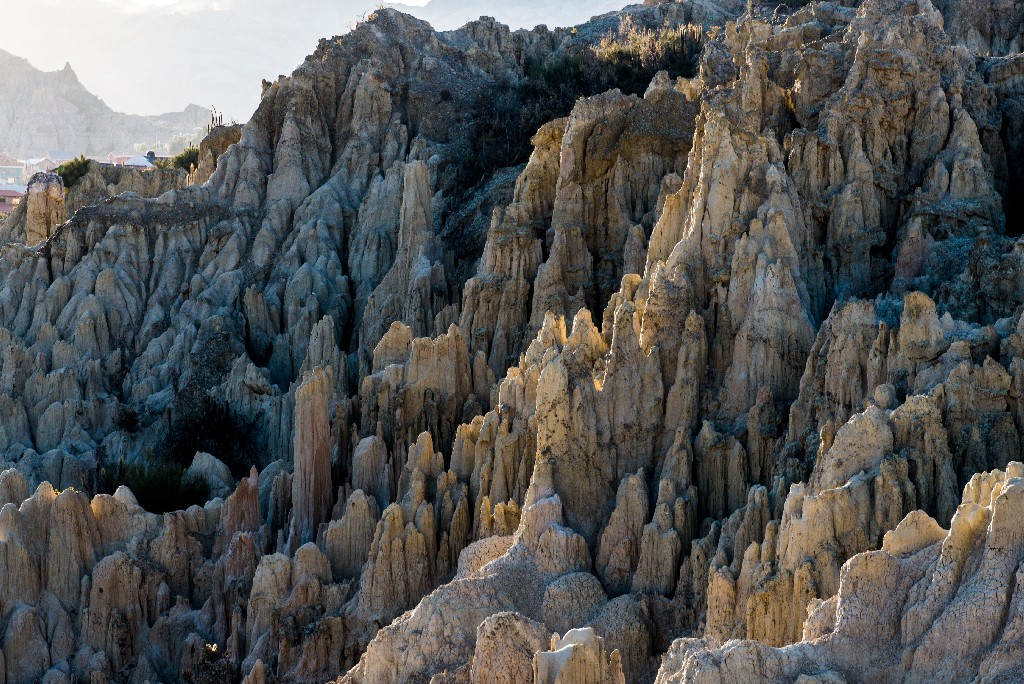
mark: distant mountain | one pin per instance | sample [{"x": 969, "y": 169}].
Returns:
[
  {"x": 44, "y": 111},
  {"x": 212, "y": 52},
  {"x": 451, "y": 14},
  {"x": 216, "y": 52}
]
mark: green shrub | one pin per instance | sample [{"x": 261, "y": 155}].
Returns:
[
  {"x": 160, "y": 488},
  {"x": 71, "y": 172},
  {"x": 187, "y": 160}
]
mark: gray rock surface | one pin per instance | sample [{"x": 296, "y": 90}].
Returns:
[{"x": 700, "y": 399}]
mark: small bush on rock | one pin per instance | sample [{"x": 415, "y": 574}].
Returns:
[
  {"x": 71, "y": 172},
  {"x": 187, "y": 160}
]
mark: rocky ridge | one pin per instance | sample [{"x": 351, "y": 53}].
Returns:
[{"x": 715, "y": 364}]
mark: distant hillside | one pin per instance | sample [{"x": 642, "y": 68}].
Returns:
[
  {"x": 218, "y": 51},
  {"x": 450, "y": 14},
  {"x": 223, "y": 49},
  {"x": 48, "y": 111}
]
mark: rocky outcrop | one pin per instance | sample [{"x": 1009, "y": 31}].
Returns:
[
  {"x": 418, "y": 384},
  {"x": 505, "y": 646},
  {"x": 414, "y": 290},
  {"x": 45, "y": 207},
  {"x": 311, "y": 490},
  {"x": 987, "y": 28},
  {"x": 902, "y": 604},
  {"x": 880, "y": 465},
  {"x": 577, "y": 656},
  {"x": 211, "y": 148},
  {"x": 103, "y": 182},
  {"x": 658, "y": 391}
]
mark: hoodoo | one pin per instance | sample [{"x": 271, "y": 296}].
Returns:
[{"x": 685, "y": 345}]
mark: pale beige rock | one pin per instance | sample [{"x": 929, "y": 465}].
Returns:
[
  {"x": 311, "y": 482},
  {"x": 811, "y": 230},
  {"x": 859, "y": 445},
  {"x": 903, "y": 602},
  {"x": 660, "y": 547},
  {"x": 14, "y": 487},
  {"x": 496, "y": 301},
  {"x": 579, "y": 656},
  {"x": 347, "y": 541},
  {"x": 618, "y": 550},
  {"x": 372, "y": 469},
  {"x": 985, "y": 28},
  {"x": 241, "y": 511},
  {"x": 399, "y": 570},
  {"x": 416, "y": 385},
  {"x": 115, "y": 620},
  {"x": 774, "y": 332},
  {"x": 211, "y": 148},
  {"x": 844, "y": 366},
  {"x": 571, "y": 601},
  {"x": 409, "y": 291},
  {"x": 45, "y": 207},
  {"x": 505, "y": 644},
  {"x": 25, "y": 636}
]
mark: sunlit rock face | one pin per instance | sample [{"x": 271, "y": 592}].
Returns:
[{"x": 723, "y": 382}]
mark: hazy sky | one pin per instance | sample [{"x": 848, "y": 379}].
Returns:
[{"x": 154, "y": 56}]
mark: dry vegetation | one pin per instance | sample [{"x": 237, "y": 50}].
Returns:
[{"x": 626, "y": 59}]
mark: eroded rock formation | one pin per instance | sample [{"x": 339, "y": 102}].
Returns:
[{"x": 704, "y": 378}]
